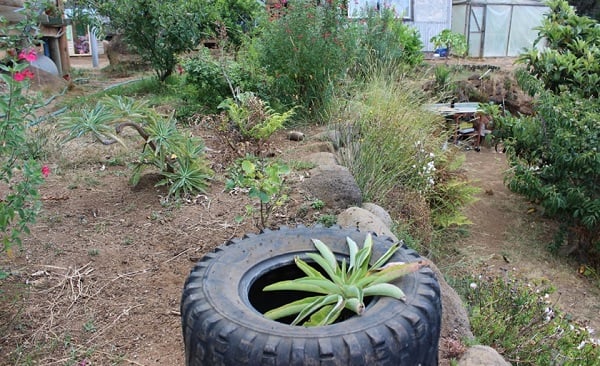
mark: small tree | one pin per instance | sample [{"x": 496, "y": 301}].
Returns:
[{"x": 156, "y": 30}]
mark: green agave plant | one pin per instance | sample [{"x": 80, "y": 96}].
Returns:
[{"x": 348, "y": 283}]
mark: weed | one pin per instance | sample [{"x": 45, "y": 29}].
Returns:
[
  {"x": 317, "y": 204},
  {"x": 517, "y": 317},
  {"x": 89, "y": 326},
  {"x": 93, "y": 252},
  {"x": 327, "y": 220}
]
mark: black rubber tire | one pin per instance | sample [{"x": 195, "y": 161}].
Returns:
[{"x": 222, "y": 327}]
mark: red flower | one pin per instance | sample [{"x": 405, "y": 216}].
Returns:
[
  {"x": 45, "y": 171},
  {"x": 179, "y": 69},
  {"x": 22, "y": 75},
  {"x": 28, "y": 54}
]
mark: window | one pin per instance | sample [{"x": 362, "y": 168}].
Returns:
[{"x": 360, "y": 8}]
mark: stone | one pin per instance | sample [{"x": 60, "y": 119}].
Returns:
[
  {"x": 356, "y": 217},
  {"x": 380, "y": 212},
  {"x": 321, "y": 158},
  {"x": 482, "y": 356},
  {"x": 334, "y": 185},
  {"x": 455, "y": 320},
  {"x": 295, "y": 136}
]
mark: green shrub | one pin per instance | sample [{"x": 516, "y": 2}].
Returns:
[
  {"x": 456, "y": 43},
  {"x": 302, "y": 55},
  {"x": 571, "y": 59},
  {"x": 555, "y": 162},
  {"x": 157, "y": 30},
  {"x": 206, "y": 75},
  {"x": 386, "y": 40},
  {"x": 20, "y": 172},
  {"x": 517, "y": 318}
]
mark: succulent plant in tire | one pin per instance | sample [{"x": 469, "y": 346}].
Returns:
[{"x": 347, "y": 286}]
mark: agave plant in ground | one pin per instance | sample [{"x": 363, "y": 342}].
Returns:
[{"x": 347, "y": 286}]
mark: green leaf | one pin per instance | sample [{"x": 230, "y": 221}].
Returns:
[
  {"x": 384, "y": 289},
  {"x": 307, "y": 269},
  {"x": 353, "y": 249},
  {"x": 296, "y": 285},
  {"x": 386, "y": 256},
  {"x": 391, "y": 272},
  {"x": 325, "y": 265},
  {"x": 314, "y": 306},
  {"x": 291, "y": 308},
  {"x": 327, "y": 254},
  {"x": 328, "y": 314}
]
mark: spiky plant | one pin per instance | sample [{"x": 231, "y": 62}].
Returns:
[{"x": 344, "y": 286}]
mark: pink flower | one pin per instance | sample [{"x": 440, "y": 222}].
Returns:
[
  {"x": 28, "y": 54},
  {"x": 45, "y": 171},
  {"x": 22, "y": 75}
]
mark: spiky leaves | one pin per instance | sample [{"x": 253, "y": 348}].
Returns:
[{"x": 340, "y": 286}]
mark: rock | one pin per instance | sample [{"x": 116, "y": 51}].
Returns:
[
  {"x": 455, "y": 320},
  {"x": 334, "y": 185},
  {"x": 320, "y": 146},
  {"x": 380, "y": 212},
  {"x": 364, "y": 220},
  {"x": 482, "y": 356},
  {"x": 321, "y": 158},
  {"x": 295, "y": 136}
]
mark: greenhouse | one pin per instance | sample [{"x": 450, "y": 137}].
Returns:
[{"x": 497, "y": 28}]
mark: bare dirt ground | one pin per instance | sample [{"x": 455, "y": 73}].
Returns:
[
  {"x": 99, "y": 279},
  {"x": 510, "y": 234}
]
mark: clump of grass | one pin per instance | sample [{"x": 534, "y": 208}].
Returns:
[
  {"x": 397, "y": 152},
  {"x": 517, "y": 318}
]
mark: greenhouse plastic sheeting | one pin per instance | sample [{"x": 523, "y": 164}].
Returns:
[{"x": 499, "y": 27}]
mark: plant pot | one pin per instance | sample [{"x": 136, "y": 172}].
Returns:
[{"x": 223, "y": 302}]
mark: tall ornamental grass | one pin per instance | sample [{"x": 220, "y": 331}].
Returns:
[{"x": 399, "y": 154}]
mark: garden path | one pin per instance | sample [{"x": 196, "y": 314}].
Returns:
[{"x": 510, "y": 234}]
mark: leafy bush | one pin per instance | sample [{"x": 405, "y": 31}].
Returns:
[
  {"x": 207, "y": 77},
  {"x": 571, "y": 59},
  {"x": 179, "y": 157},
  {"x": 157, "y": 30},
  {"x": 303, "y": 54},
  {"x": 456, "y": 43},
  {"x": 554, "y": 154},
  {"x": 20, "y": 173},
  {"x": 517, "y": 318},
  {"x": 556, "y": 162},
  {"x": 386, "y": 40}
]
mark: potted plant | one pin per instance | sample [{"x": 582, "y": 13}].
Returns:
[
  {"x": 51, "y": 14},
  {"x": 448, "y": 42},
  {"x": 228, "y": 319}
]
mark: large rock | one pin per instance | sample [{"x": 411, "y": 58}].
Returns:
[
  {"x": 364, "y": 220},
  {"x": 482, "y": 356},
  {"x": 321, "y": 158},
  {"x": 455, "y": 320},
  {"x": 334, "y": 185},
  {"x": 380, "y": 212}
]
